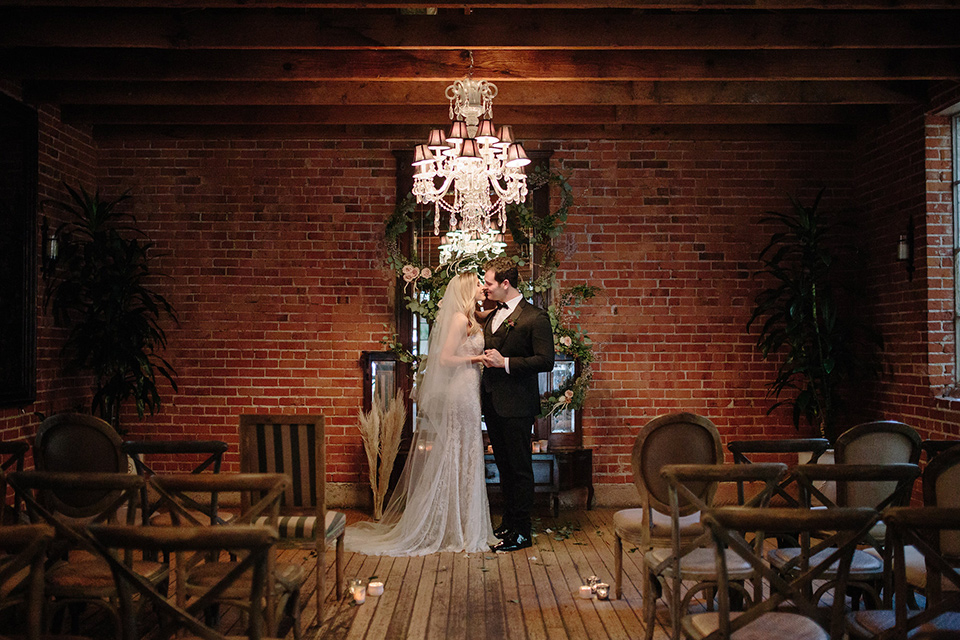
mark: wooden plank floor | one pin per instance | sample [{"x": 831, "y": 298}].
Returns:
[{"x": 530, "y": 594}]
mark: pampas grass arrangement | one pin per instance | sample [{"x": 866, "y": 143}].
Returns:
[{"x": 380, "y": 429}]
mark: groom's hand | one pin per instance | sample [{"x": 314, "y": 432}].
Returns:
[{"x": 492, "y": 358}]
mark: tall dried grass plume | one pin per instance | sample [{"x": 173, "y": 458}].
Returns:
[{"x": 381, "y": 429}]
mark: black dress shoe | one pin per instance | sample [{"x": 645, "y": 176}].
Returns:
[
  {"x": 501, "y": 532},
  {"x": 513, "y": 542}
]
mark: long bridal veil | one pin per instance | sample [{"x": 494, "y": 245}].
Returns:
[{"x": 429, "y": 510}]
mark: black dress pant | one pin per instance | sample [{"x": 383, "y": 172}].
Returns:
[{"x": 510, "y": 438}]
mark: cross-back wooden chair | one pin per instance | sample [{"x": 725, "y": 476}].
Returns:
[
  {"x": 12, "y": 455},
  {"x": 69, "y": 502},
  {"x": 294, "y": 445},
  {"x": 933, "y": 448},
  {"x": 896, "y": 481},
  {"x": 792, "y": 608},
  {"x": 259, "y": 495},
  {"x": 204, "y": 454},
  {"x": 21, "y": 573},
  {"x": 252, "y": 543},
  {"x": 677, "y": 438},
  {"x": 924, "y": 529},
  {"x": 693, "y": 560},
  {"x": 745, "y": 451}
]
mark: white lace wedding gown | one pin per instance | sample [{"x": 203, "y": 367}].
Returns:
[{"x": 440, "y": 503}]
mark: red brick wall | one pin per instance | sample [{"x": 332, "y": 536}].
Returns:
[
  {"x": 65, "y": 154},
  {"x": 903, "y": 171},
  {"x": 274, "y": 253},
  {"x": 668, "y": 229},
  {"x": 273, "y": 248}
]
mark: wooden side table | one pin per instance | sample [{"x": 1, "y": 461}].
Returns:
[{"x": 552, "y": 473}]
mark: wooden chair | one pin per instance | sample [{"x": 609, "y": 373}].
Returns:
[
  {"x": 259, "y": 494},
  {"x": 294, "y": 445},
  {"x": 693, "y": 560},
  {"x": 867, "y": 572},
  {"x": 924, "y": 529},
  {"x": 21, "y": 573},
  {"x": 208, "y": 454},
  {"x": 69, "y": 502},
  {"x": 870, "y": 443},
  {"x": 61, "y": 436},
  {"x": 742, "y": 451},
  {"x": 933, "y": 448},
  {"x": 941, "y": 488},
  {"x": 678, "y": 438},
  {"x": 12, "y": 454},
  {"x": 253, "y": 543},
  {"x": 791, "y": 610}
]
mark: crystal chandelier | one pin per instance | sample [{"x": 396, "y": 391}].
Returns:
[{"x": 472, "y": 172}]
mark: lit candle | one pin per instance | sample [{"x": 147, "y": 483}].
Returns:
[
  {"x": 375, "y": 588},
  {"x": 536, "y": 447},
  {"x": 586, "y": 592},
  {"x": 360, "y": 594},
  {"x": 358, "y": 589}
]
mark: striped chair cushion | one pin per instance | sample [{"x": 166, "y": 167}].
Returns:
[{"x": 303, "y": 526}]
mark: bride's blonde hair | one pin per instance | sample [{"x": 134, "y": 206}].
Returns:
[{"x": 465, "y": 292}]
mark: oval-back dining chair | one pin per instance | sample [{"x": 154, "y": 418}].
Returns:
[
  {"x": 677, "y": 438},
  {"x": 78, "y": 443}
]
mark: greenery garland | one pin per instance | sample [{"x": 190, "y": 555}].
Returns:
[{"x": 425, "y": 284}]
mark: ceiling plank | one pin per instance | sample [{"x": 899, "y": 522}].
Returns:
[
  {"x": 510, "y": 93},
  {"x": 363, "y": 115},
  {"x": 244, "y": 29},
  {"x": 498, "y": 66}
]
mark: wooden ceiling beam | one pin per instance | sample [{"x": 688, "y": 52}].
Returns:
[
  {"x": 468, "y": 6},
  {"x": 537, "y": 136},
  {"x": 498, "y": 66},
  {"x": 244, "y": 29},
  {"x": 517, "y": 116},
  {"x": 511, "y": 93}
]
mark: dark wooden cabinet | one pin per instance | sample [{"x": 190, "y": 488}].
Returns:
[{"x": 552, "y": 473}]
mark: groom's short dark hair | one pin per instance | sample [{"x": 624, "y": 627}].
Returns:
[{"x": 504, "y": 268}]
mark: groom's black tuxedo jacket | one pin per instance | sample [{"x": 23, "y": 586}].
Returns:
[{"x": 525, "y": 337}]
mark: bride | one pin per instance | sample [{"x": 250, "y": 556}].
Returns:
[{"x": 440, "y": 502}]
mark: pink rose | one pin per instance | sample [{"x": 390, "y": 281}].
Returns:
[
  {"x": 568, "y": 394},
  {"x": 566, "y": 341},
  {"x": 410, "y": 270},
  {"x": 409, "y": 277},
  {"x": 425, "y": 273}
]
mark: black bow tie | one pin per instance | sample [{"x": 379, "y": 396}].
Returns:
[{"x": 501, "y": 305}]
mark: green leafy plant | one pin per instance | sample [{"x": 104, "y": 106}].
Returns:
[
  {"x": 99, "y": 290},
  {"x": 823, "y": 346}
]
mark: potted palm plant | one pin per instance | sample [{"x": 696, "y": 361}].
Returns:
[
  {"x": 99, "y": 290},
  {"x": 809, "y": 318}
]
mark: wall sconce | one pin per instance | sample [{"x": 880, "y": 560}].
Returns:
[
  {"x": 51, "y": 247},
  {"x": 905, "y": 249}
]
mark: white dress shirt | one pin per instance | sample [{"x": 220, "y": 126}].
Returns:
[{"x": 499, "y": 316}]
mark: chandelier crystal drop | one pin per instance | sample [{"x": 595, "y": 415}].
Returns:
[{"x": 472, "y": 172}]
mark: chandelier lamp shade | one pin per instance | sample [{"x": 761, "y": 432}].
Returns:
[{"x": 473, "y": 171}]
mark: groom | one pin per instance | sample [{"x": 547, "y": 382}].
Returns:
[{"x": 518, "y": 345}]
